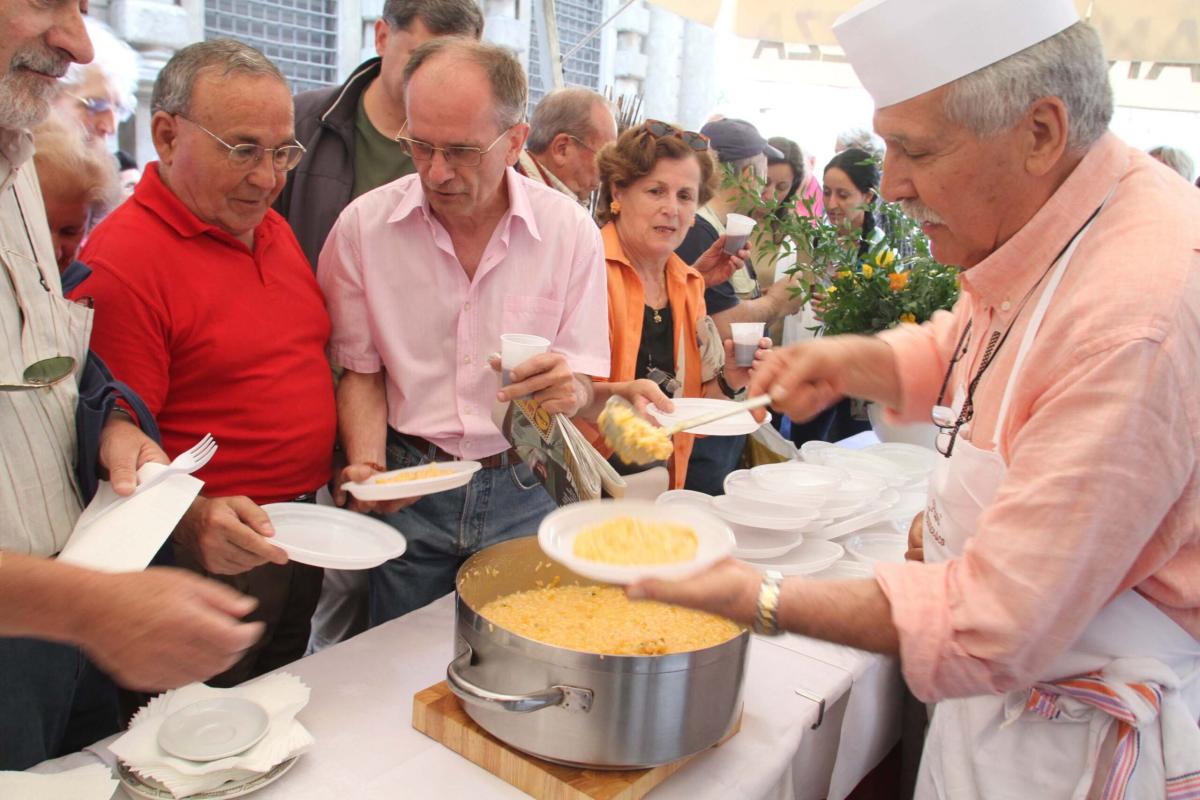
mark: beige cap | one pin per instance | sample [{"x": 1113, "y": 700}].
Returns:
[{"x": 903, "y": 48}]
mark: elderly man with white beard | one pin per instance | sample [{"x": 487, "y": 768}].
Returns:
[
  {"x": 1055, "y": 614},
  {"x": 151, "y": 630}
]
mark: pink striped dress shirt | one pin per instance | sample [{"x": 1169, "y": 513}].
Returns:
[
  {"x": 401, "y": 302},
  {"x": 1102, "y": 492}
]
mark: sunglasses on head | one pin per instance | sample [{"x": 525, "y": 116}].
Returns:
[{"x": 660, "y": 130}]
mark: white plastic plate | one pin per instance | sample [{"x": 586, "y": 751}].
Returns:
[
  {"x": 690, "y": 407},
  {"x": 740, "y": 484},
  {"x": 753, "y": 544},
  {"x": 373, "y": 489},
  {"x": 871, "y": 548},
  {"x": 798, "y": 477},
  {"x": 685, "y": 497},
  {"x": 558, "y": 530},
  {"x": 845, "y": 569},
  {"x": 324, "y": 536},
  {"x": 770, "y": 516},
  {"x": 150, "y": 789},
  {"x": 215, "y": 728},
  {"x": 813, "y": 555}
]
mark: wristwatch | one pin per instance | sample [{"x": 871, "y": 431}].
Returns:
[
  {"x": 766, "y": 614},
  {"x": 728, "y": 390}
]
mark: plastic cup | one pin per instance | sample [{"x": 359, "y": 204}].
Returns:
[
  {"x": 516, "y": 349},
  {"x": 745, "y": 341},
  {"x": 737, "y": 231}
]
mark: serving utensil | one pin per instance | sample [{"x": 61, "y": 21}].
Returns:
[{"x": 637, "y": 441}]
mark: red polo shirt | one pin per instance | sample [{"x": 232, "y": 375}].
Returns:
[{"x": 217, "y": 338}]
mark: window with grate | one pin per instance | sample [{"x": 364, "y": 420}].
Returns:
[
  {"x": 575, "y": 19},
  {"x": 300, "y": 36}
]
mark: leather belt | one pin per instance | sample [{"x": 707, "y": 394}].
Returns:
[{"x": 435, "y": 453}]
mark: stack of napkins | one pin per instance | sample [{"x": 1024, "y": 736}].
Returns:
[
  {"x": 122, "y": 534},
  {"x": 282, "y": 695},
  {"x": 93, "y": 782}
]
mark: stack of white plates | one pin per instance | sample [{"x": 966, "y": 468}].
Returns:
[{"x": 810, "y": 557}]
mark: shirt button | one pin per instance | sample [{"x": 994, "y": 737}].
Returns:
[
  {"x": 466, "y": 359},
  {"x": 470, "y": 409},
  {"x": 1005, "y": 306},
  {"x": 466, "y": 306}
]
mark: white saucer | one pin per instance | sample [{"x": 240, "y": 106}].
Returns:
[
  {"x": 149, "y": 789},
  {"x": 324, "y": 536},
  {"x": 690, "y": 407},
  {"x": 374, "y": 488},
  {"x": 208, "y": 730}
]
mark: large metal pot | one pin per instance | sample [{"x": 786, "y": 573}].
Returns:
[{"x": 585, "y": 709}]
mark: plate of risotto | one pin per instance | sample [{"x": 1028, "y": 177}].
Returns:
[
  {"x": 625, "y": 541},
  {"x": 396, "y": 484}
]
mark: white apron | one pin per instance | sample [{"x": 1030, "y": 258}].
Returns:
[{"x": 1047, "y": 741}]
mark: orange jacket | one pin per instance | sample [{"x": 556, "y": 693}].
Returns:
[{"x": 626, "y": 301}]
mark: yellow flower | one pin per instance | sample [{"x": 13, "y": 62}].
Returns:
[
  {"x": 907, "y": 318},
  {"x": 898, "y": 280},
  {"x": 831, "y": 290},
  {"x": 867, "y": 270},
  {"x": 885, "y": 258},
  {"x": 844, "y": 273}
]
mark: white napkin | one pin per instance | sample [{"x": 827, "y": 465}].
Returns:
[
  {"x": 93, "y": 782},
  {"x": 125, "y": 539},
  {"x": 281, "y": 694}
]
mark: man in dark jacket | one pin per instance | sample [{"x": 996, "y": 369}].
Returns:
[{"x": 350, "y": 130}]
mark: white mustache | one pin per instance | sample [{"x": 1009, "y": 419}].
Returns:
[
  {"x": 919, "y": 212},
  {"x": 42, "y": 61}
]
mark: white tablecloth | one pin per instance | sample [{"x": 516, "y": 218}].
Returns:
[{"x": 361, "y": 711}]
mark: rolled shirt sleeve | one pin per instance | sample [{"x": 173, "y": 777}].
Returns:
[{"x": 339, "y": 273}]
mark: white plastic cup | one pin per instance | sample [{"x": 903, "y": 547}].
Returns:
[
  {"x": 737, "y": 231},
  {"x": 745, "y": 341},
  {"x": 516, "y": 349}
]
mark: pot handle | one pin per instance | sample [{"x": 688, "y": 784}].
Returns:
[{"x": 569, "y": 698}]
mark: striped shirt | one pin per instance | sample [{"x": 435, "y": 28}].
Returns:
[{"x": 39, "y": 500}]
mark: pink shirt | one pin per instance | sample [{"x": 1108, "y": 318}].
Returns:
[
  {"x": 400, "y": 301},
  {"x": 1102, "y": 491}
]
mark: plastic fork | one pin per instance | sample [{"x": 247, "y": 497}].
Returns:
[{"x": 185, "y": 463}]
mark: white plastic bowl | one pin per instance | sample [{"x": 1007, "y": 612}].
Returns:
[
  {"x": 810, "y": 557},
  {"x": 844, "y": 569},
  {"x": 872, "y": 548},
  {"x": 556, "y": 536}
]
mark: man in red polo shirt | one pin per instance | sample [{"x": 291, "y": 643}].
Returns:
[{"x": 206, "y": 305}]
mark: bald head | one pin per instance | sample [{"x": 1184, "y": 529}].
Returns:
[{"x": 484, "y": 66}]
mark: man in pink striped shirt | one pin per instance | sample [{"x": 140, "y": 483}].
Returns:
[
  {"x": 422, "y": 276},
  {"x": 1059, "y": 597}
]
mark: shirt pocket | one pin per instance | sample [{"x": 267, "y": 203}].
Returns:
[{"x": 539, "y": 316}]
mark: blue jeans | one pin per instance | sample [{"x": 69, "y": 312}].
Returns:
[
  {"x": 53, "y": 701},
  {"x": 713, "y": 457},
  {"x": 444, "y": 529}
]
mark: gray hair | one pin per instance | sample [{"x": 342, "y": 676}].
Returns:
[
  {"x": 175, "y": 83},
  {"x": 860, "y": 139},
  {"x": 566, "y": 111},
  {"x": 1069, "y": 65},
  {"x": 504, "y": 72},
  {"x": 1176, "y": 159},
  {"x": 116, "y": 61},
  {"x": 67, "y": 166},
  {"x": 441, "y": 17}
]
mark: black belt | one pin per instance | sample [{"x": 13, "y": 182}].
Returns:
[{"x": 435, "y": 453}]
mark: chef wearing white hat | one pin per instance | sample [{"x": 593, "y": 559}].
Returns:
[{"x": 1055, "y": 616}]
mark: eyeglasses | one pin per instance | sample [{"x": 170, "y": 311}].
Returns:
[
  {"x": 454, "y": 156},
  {"x": 582, "y": 143},
  {"x": 95, "y": 106},
  {"x": 249, "y": 155},
  {"x": 660, "y": 130}
]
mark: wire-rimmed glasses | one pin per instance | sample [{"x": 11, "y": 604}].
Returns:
[
  {"x": 242, "y": 156},
  {"x": 454, "y": 156},
  {"x": 947, "y": 420},
  {"x": 95, "y": 106}
]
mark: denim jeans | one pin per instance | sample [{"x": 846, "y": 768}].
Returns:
[
  {"x": 53, "y": 701},
  {"x": 713, "y": 457},
  {"x": 444, "y": 529}
]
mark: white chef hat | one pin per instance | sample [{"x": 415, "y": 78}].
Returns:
[{"x": 903, "y": 48}]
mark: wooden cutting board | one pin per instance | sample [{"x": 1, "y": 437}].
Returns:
[{"x": 438, "y": 714}]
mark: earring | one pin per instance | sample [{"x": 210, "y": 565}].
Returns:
[{"x": 614, "y": 207}]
